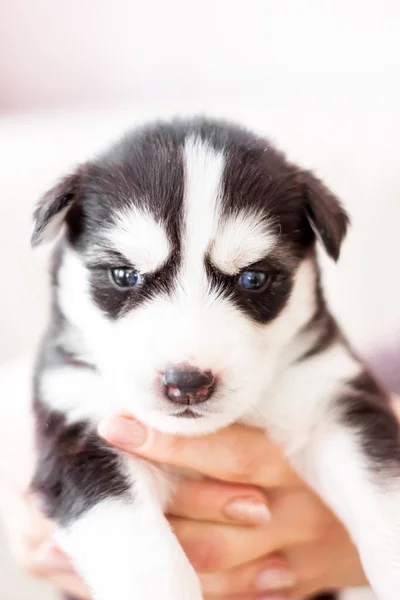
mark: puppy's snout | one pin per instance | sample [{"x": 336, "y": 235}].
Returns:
[{"x": 188, "y": 385}]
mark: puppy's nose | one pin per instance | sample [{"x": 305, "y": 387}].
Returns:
[{"x": 187, "y": 385}]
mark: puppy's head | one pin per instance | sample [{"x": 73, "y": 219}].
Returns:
[{"x": 188, "y": 267}]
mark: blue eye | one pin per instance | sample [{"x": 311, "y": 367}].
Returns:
[
  {"x": 253, "y": 280},
  {"x": 126, "y": 278}
]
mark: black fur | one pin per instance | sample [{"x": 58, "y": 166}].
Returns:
[
  {"x": 366, "y": 408},
  {"x": 76, "y": 468},
  {"x": 327, "y": 332},
  {"x": 325, "y": 214},
  {"x": 116, "y": 301},
  {"x": 322, "y": 327},
  {"x": 62, "y": 196},
  {"x": 263, "y": 305}
]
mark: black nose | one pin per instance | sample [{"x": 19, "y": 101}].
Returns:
[{"x": 187, "y": 385}]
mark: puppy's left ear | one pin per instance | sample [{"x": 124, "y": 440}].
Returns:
[
  {"x": 325, "y": 214},
  {"x": 53, "y": 207}
]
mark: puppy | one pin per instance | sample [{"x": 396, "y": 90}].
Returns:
[{"x": 186, "y": 290}]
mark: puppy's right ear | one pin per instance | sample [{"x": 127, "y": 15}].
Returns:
[{"x": 52, "y": 209}]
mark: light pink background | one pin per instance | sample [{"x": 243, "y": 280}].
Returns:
[{"x": 70, "y": 53}]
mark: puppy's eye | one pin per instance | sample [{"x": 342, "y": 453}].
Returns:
[
  {"x": 126, "y": 278},
  {"x": 253, "y": 280}
]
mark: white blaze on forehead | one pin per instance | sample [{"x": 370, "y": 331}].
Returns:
[
  {"x": 203, "y": 175},
  {"x": 241, "y": 241},
  {"x": 142, "y": 240},
  {"x": 233, "y": 243}
]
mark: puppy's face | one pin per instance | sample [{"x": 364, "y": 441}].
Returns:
[{"x": 188, "y": 267}]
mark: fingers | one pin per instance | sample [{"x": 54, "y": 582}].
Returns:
[
  {"x": 302, "y": 570},
  {"x": 332, "y": 562},
  {"x": 297, "y": 517},
  {"x": 213, "y": 547},
  {"x": 210, "y": 547},
  {"x": 300, "y": 513},
  {"x": 215, "y": 501},
  {"x": 238, "y": 454},
  {"x": 270, "y": 575}
]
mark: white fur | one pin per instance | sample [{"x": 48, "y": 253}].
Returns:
[
  {"x": 140, "y": 239},
  {"x": 334, "y": 465},
  {"x": 303, "y": 395},
  {"x": 203, "y": 168},
  {"x": 242, "y": 240},
  {"x": 79, "y": 393},
  {"x": 125, "y": 549}
]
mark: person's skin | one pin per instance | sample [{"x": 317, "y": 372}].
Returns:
[{"x": 254, "y": 529}]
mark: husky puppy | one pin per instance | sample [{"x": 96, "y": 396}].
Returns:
[{"x": 186, "y": 290}]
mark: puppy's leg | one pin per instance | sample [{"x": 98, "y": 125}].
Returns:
[
  {"x": 355, "y": 467},
  {"x": 127, "y": 551}
]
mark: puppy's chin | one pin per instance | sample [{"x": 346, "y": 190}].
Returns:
[{"x": 187, "y": 424}]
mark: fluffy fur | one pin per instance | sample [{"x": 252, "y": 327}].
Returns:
[{"x": 191, "y": 206}]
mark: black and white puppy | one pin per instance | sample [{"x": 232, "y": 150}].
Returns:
[{"x": 186, "y": 290}]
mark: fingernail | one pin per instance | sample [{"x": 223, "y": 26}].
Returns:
[
  {"x": 49, "y": 557},
  {"x": 121, "y": 431},
  {"x": 248, "y": 510},
  {"x": 274, "y": 579}
]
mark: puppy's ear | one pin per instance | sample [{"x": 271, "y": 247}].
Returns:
[
  {"x": 327, "y": 217},
  {"x": 53, "y": 207}
]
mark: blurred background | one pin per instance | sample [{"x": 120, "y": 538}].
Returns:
[{"x": 321, "y": 78}]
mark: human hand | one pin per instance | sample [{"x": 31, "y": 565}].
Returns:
[{"x": 254, "y": 529}]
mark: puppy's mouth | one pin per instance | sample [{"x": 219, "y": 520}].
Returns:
[{"x": 188, "y": 413}]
